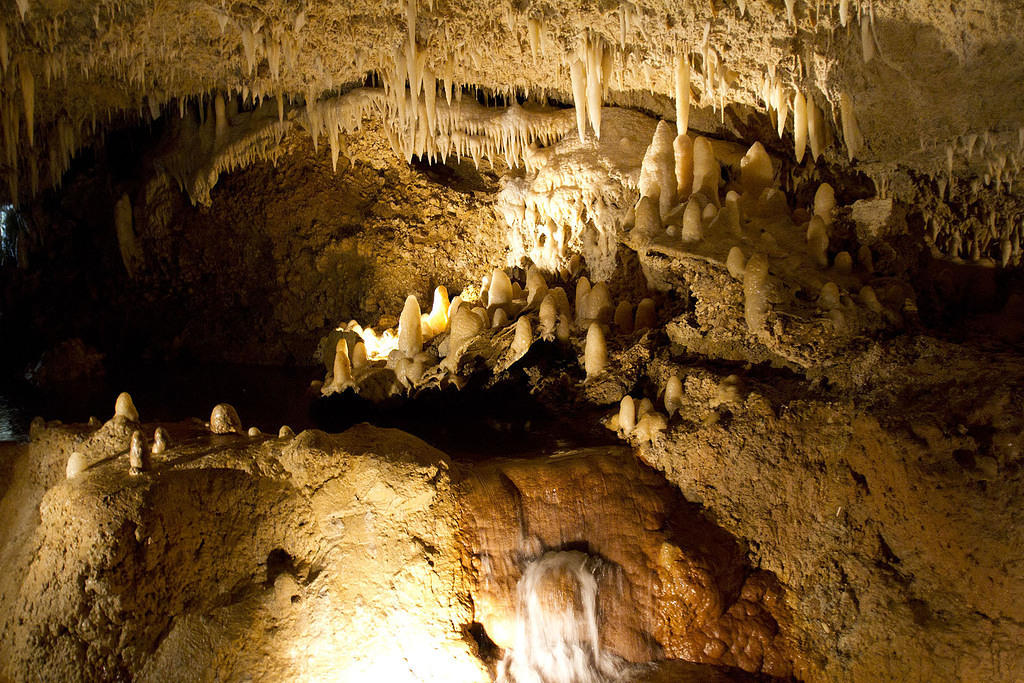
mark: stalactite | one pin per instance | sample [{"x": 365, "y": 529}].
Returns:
[
  {"x": 799, "y": 126},
  {"x": 682, "y": 84},
  {"x": 851, "y": 131},
  {"x": 578, "y": 76},
  {"x": 28, "y": 95}
]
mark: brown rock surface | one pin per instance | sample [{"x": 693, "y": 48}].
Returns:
[
  {"x": 888, "y": 515},
  {"x": 233, "y": 559},
  {"x": 670, "y": 584}
]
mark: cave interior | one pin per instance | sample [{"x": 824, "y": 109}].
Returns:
[{"x": 529, "y": 340}]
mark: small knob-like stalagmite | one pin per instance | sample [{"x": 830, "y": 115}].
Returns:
[
  {"x": 76, "y": 465},
  {"x": 224, "y": 420},
  {"x": 125, "y": 407},
  {"x": 160, "y": 440},
  {"x": 595, "y": 354},
  {"x": 736, "y": 263},
  {"x": 627, "y": 414},
  {"x": 693, "y": 228},
  {"x": 524, "y": 336},
  {"x": 138, "y": 454},
  {"x": 645, "y": 316},
  {"x": 410, "y": 331},
  {"x": 499, "y": 290},
  {"x": 755, "y": 293}
]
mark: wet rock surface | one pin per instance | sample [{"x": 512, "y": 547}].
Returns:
[{"x": 671, "y": 585}]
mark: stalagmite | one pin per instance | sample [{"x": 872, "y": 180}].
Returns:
[
  {"x": 285, "y": 432},
  {"x": 138, "y": 454},
  {"x": 465, "y": 326},
  {"x": 360, "y": 359},
  {"x": 564, "y": 329},
  {"x": 485, "y": 317},
  {"x": 410, "y": 333},
  {"x": 706, "y": 171},
  {"x": 815, "y": 129},
  {"x": 870, "y": 299},
  {"x": 438, "y": 318},
  {"x": 500, "y": 319},
  {"x": 799, "y": 126},
  {"x": 536, "y": 287},
  {"x": 736, "y": 262},
  {"x": 824, "y": 203},
  {"x": 645, "y": 315},
  {"x": 844, "y": 262},
  {"x": 499, "y": 291},
  {"x": 693, "y": 228},
  {"x": 561, "y": 300},
  {"x": 817, "y": 241},
  {"x": 851, "y": 131},
  {"x": 650, "y": 425},
  {"x": 598, "y": 305},
  {"x": 624, "y": 317},
  {"x": 254, "y": 433},
  {"x": 161, "y": 441},
  {"x": 28, "y": 95},
  {"x": 865, "y": 258},
  {"x": 76, "y": 465},
  {"x": 124, "y": 407},
  {"x": 453, "y": 308},
  {"x": 578, "y": 76},
  {"x": 224, "y": 419},
  {"x": 657, "y": 172},
  {"x": 682, "y": 83},
  {"x": 755, "y": 293},
  {"x": 524, "y": 336},
  {"x": 627, "y": 415},
  {"x": 582, "y": 291},
  {"x": 727, "y": 220},
  {"x": 342, "y": 373},
  {"x": 682, "y": 149},
  {"x": 648, "y": 218},
  {"x": 673, "y": 395},
  {"x": 756, "y": 172},
  {"x": 595, "y": 353},
  {"x": 829, "y": 297}
]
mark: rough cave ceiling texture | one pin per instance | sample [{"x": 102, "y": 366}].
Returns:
[{"x": 924, "y": 97}]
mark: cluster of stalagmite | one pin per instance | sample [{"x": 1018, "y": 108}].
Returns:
[
  {"x": 506, "y": 318},
  {"x": 637, "y": 419},
  {"x": 126, "y": 423},
  {"x": 742, "y": 219}
]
